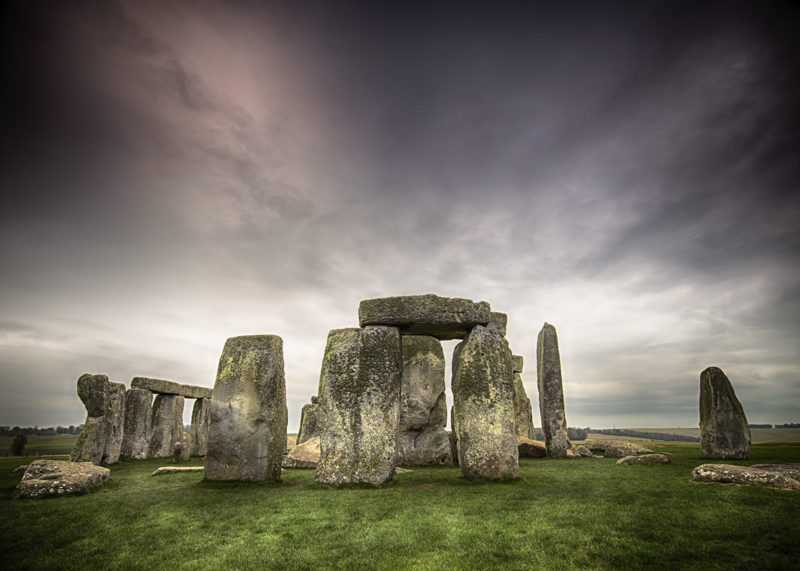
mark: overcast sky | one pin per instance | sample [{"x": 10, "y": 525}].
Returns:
[{"x": 175, "y": 173}]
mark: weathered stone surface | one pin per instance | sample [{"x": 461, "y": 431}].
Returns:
[
  {"x": 453, "y": 438},
  {"x": 483, "y": 401},
  {"x": 743, "y": 475},
  {"x": 517, "y": 361},
  {"x": 115, "y": 419},
  {"x": 161, "y": 387},
  {"x": 359, "y": 405},
  {"x": 498, "y": 323},
  {"x": 724, "y": 432},
  {"x": 176, "y": 470},
  {"x": 580, "y": 452},
  {"x": 167, "y": 426},
  {"x": 529, "y": 448},
  {"x": 615, "y": 448},
  {"x": 247, "y": 431},
  {"x": 198, "y": 433},
  {"x": 644, "y": 459},
  {"x": 441, "y": 317},
  {"x": 308, "y": 421},
  {"x": 54, "y": 477},
  {"x": 523, "y": 411},
  {"x": 181, "y": 451},
  {"x": 136, "y": 434},
  {"x": 790, "y": 470},
  {"x": 305, "y": 455},
  {"x": 551, "y": 393},
  {"x": 423, "y": 404},
  {"x": 91, "y": 443},
  {"x": 19, "y": 470}
]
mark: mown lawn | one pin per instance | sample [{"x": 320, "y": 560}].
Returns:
[{"x": 559, "y": 514}]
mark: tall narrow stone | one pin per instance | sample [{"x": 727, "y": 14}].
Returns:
[
  {"x": 115, "y": 418},
  {"x": 423, "y": 404},
  {"x": 522, "y": 404},
  {"x": 167, "y": 425},
  {"x": 724, "y": 432},
  {"x": 198, "y": 433},
  {"x": 91, "y": 443},
  {"x": 248, "y": 415},
  {"x": 551, "y": 393},
  {"x": 483, "y": 404},
  {"x": 136, "y": 433},
  {"x": 309, "y": 426},
  {"x": 359, "y": 405}
]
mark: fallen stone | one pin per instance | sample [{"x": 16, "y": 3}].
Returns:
[
  {"x": 743, "y": 475},
  {"x": 308, "y": 421},
  {"x": 359, "y": 405},
  {"x": 441, "y": 317},
  {"x": 176, "y": 469},
  {"x": 167, "y": 426},
  {"x": 305, "y": 455},
  {"x": 724, "y": 432},
  {"x": 161, "y": 387},
  {"x": 91, "y": 443},
  {"x": 498, "y": 323},
  {"x": 115, "y": 419},
  {"x": 137, "y": 431},
  {"x": 423, "y": 404},
  {"x": 248, "y": 415},
  {"x": 523, "y": 411},
  {"x": 551, "y": 393},
  {"x": 399, "y": 470},
  {"x": 198, "y": 432},
  {"x": 580, "y": 452},
  {"x": 54, "y": 477},
  {"x": 19, "y": 470},
  {"x": 644, "y": 459},
  {"x": 790, "y": 470},
  {"x": 615, "y": 448},
  {"x": 483, "y": 402},
  {"x": 529, "y": 448}
]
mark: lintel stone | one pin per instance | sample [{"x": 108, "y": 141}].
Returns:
[{"x": 161, "y": 387}]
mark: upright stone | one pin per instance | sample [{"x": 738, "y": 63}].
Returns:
[
  {"x": 483, "y": 403},
  {"x": 92, "y": 390},
  {"x": 724, "y": 432},
  {"x": 453, "y": 437},
  {"x": 248, "y": 415},
  {"x": 198, "y": 433},
  {"x": 423, "y": 404},
  {"x": 308, "y": 421},
  {"x": 115, "y": 418},
  {"x": 551, "y": 393},
  {"x": 167, "y": 426},
  {"x": 522, "y": 404},
  {"x": 359, "y": 408},
  {"x": 136, "y": 433}
]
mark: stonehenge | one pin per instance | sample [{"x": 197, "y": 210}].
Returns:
[
  {"x": 308, "y": 421},
  {"x": 551, "y": 394},
  {"x": 724, "y": 432},
  {"x": 91, "y": 444},
  {"x": 522, "y": 404}
]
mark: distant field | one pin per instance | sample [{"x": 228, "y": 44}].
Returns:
[
  {"x": 758, "y": 435},
  {"x": 41, "y": 445}
]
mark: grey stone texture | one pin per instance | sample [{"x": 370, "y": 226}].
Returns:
[
  {"x": 198, "y": 433},
  {"x": 551, "y": 393},
  {"x": 744, "y": 476},
  {"x": 136, "y": 434},
  {"x": 305, "y": 455},
  {"x": 161, "y": 387},
  {"x": 518, "y": 361},
  {"x": 523, "y": 411},
  {"x": 529, "y": 448},
  {"x": 453, "y": 438},
  {"x": 790, "y": 470},
  {"x": 167, "y": 425},
  {"x": 115, "y": 419},
  {"x": 181, "y": 451},
  {"x": 423, "y": 403},
  {"x": 441, "y": 317},
  {"x": 91, "y": 443},
  {"x": 56, "y": 477},
  {"x": 498, "y": 323},
  {"x": 615, "y": 448},
  {"x": 724, "y": 432},
  {"x": 580, "y": 452},
  {"x": 483, "y": 401},
  {"x": 359, "y": 410},
  {"x": 309, "y": 427},
  {"x": 644, "y": 459},
  {"x": 248, "y": 415}
]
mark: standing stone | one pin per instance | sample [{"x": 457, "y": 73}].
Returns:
[
  {"x": 423, "y": 404},
  {"x": 724, "y": 432},
  {"x": 453, "y": 437},
  {"x": 136, "y": 432},
  {"x": 359, "y": 405},
  {"x": 551, "y": 394},
  {"x": 181, "y": 451},
  {"x": 309, "y": 427},
  {"x": 92, "y": 390},
  {"x": 248, "y": 415},
  {"x": 522, "y": 404},
  {"x": 167, "y": 426},
  {"x": 483, "y": 402},
  {"x": 115, "y": 417},
  {"x": 198, "y": 433}
]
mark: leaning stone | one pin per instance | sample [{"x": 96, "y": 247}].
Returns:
[
  {"x": 359, "y": 405},
  {"x": 423, "y": 404},
  {"x": 115, "y": 418},
  {"x": 529, "y": 448},
  {"x": 724, "y": 432},
  {"x": 248, "y": 416},
  {"x": 580, "y": 452},
  {"x": 176, "y": 469},
  {"x": 790, "y": 470},
  {"x": 441, "y": 317},
  {"x": 161, "y": 387},
  {"x": 742, "y": 475},
  {"x": 305, "y": 455},
  {"x": 91, "y": 443},
  {"x": 53, "y": 477},
  {"x": 198, "y": 433},
  {"x": 523, "y": 411},
  {"x": 644, "y": 459},
  {"x": 498, "y": 323},
  {"x": 308, "y": 421},
  {"x": 19, "y": 470},
  {"x": 136, "y": 434},
  {"x": 483, "y": 401},
  {"x": 167, "y": 426},
  {"x": 551, "y": 392}
]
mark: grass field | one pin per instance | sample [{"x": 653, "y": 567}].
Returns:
[
  {"x": 41, "y": 445},
  {"x": 757, "y": 435},
  {"x": 561, "y": 513}
]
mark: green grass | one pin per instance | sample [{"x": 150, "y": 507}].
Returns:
[
  {"x": 559, "y": 514},
  {"x": 41, "y": 445}
]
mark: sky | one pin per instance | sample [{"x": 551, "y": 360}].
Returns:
[{"x": 175, "y": 173}]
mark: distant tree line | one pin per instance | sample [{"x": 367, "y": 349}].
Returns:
[
  {"x": 760, "y": 425},
  {"x": 37, "y": 431},
  {"x": 647, "y": 435},
  {"x": 790, "y": 425}
]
